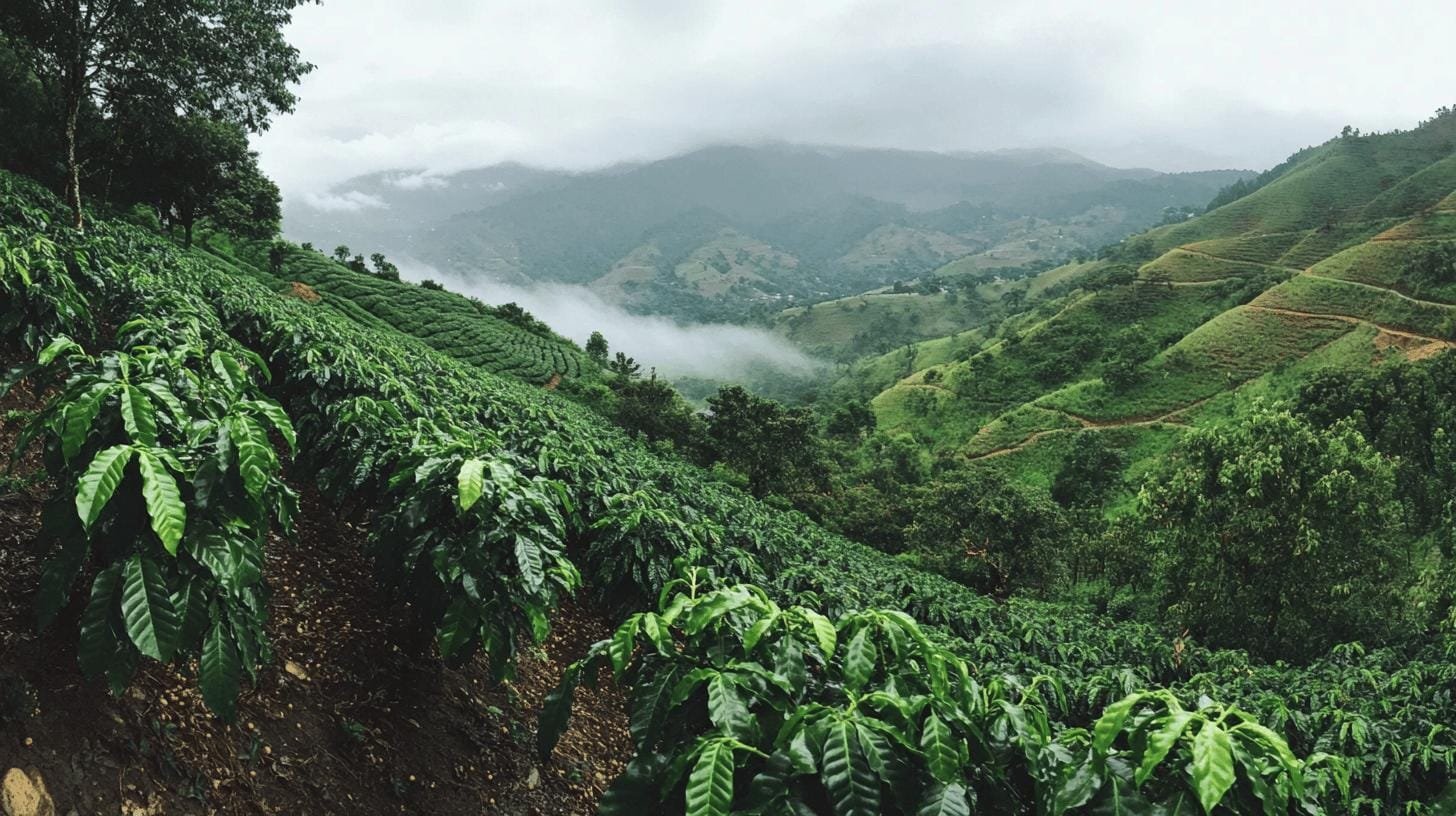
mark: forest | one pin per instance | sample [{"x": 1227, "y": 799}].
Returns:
[{"x": 1168, "y": 528}]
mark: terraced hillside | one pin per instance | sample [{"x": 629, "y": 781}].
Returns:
[
  {"x": 1341, "y": 258},
  {"x": 447, "y": 322}
]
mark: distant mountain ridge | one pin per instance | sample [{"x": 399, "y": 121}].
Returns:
[{"x": 722, "y": 231}]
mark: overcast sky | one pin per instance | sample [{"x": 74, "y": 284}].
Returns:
[{"x": 449, "y": 84}]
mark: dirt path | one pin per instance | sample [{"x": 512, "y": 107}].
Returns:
[
  {"x": 1385, "y": 289},
  {"x": 1357, "y": 321},
  {"x": 1088, "y": 424}
]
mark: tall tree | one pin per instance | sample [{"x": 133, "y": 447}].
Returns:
[
  {"x": 222, "y": 59},
  {"x": 1278, "y": 537},
  {"x": 773, "y": 446}
]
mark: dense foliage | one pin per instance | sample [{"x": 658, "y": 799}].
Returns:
[{"x": 358, "y": 394}]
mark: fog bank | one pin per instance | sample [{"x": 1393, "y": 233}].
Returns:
[{"x": 717, "y": 351}]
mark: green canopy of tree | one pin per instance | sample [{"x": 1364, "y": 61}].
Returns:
[
  {"x": 1278, "y": 537},
  {"x": 773, "y": 446},
  {"x": 222, "y": 60}
]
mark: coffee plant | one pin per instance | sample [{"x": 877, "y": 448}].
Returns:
[
  {"x": 739, "y": 705},
  {"x": 476, "y": 543},
  {"x": 168, "y": 481}
]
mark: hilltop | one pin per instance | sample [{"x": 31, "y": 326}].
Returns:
[{"x": 726, "y": 232}]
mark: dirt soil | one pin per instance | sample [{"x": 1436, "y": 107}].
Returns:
[{"x": 342, "y": 721}]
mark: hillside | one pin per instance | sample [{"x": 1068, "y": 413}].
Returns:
[
  {"x": 1335, "y": 260},
  {"x": 726, "y": 232},
  {"x": 496, "y": 461}
]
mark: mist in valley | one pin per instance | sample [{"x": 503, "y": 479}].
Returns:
[{"x": 713, "y": 351}]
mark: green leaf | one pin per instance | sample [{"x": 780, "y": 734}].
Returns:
[
  {"x": 78, "y": 417},
  {"x": 1213, "y": 765},
  {"x": 623, "y": 641},
  {"x": 278, "y": 418},
  {"x": 1109, "y": 725},
  {"x": 938, "y": 745},
  {"x": 528, "y": 558},
  {"x": 219, "y": 672},
  {"x": 57, "y": 347},
  {"x": 710, "y": 785},
  {"x": 164, "y": 500},
  {"x": 457, "y": 627},
  {"x": 256, "y": 462},
  {"x": 471, "y": 483},
  {"x": 1160, "y": 742},
  {"x": 824, "y": 631},
  {"x": 98, "y": 645},
  {"x": 138, "y": 415},
  {"x": 234, "y": 561},
  {"x": 146, "y": 605},
  {"x": 945, "y": 800},
  {"x": 99, "y": 481},
  {"x": 846, "y": 773},
  {"x": 556, "y": 712},
  {"x": 859, "y": 660},
  {"x": 58, "y": 577},
  {"x": 726, "y": 708},
  {"x": 651, "y": 702}
]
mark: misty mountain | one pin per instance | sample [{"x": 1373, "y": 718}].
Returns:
[{"x": 723, "y": 232}]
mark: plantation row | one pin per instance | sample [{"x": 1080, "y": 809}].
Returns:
[
  {"x": 445, "y": 321},
  {"x": 496, "y": 494}
]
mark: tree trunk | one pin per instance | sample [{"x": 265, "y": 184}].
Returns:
[{"x": 73, "y": 168}]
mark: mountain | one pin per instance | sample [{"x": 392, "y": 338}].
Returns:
[
  {"x": 1343, "y": 257},
  {"x": 730, "y": 231}
]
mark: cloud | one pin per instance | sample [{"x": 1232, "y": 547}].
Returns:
[
  {"x": 582, "y": 84},
  {"x": 350, "y": 201},
  {"x": 708, "y": 350},
  {"x": 422, "y": 180}
]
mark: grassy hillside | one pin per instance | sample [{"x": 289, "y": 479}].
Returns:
[{"x": 1338, "y": 259}]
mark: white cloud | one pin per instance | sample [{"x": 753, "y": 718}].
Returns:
[
  {"x": 581, "y": 83},
  {"x": 350, "y": 201},
  {"x": 709, "y": 350},
  {"x": 422, "y": 180}
]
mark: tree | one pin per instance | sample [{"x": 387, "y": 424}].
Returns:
[
  {"x": 1089, "y": 472},
  {"x": 384, "y": 269},
  {"x": 189, "y": 168},
  {"x": 977, "y": 527},
  {"x": 624, "y": 367},
  {"x": 1277, "y": 537},
  {"x": 225, "y": 60},
  {"x": 853, "y": 419},
  {"x": 341, "y": 253},
  {"x": 596, "y": 348},
  {"x": 654, "y": 409},
  {"x": 772, "y": 446}
]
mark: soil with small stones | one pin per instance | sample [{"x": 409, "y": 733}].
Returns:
[{"x": 341, "y": 721}]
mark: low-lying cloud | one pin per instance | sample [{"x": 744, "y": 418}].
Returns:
[
  {"x": 350, "y": 201},
  {"x": 716, "y": 351}
]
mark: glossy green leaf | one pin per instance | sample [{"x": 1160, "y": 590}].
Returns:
[
  {"x": 99, "y": 482},
  {"x": 219, "y": 671},
  {"x": 1213, "y": 765},
  {"x": 146, "y": 605},
  {"x": 138, "y": 416},
  {"x": 164, "y": 500},
  {"x": 470, "y": 484},
  {"x": 938, "y": 744},
  {"x": 846, "y": 773},
  {"x": 710, "y": 785}
]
